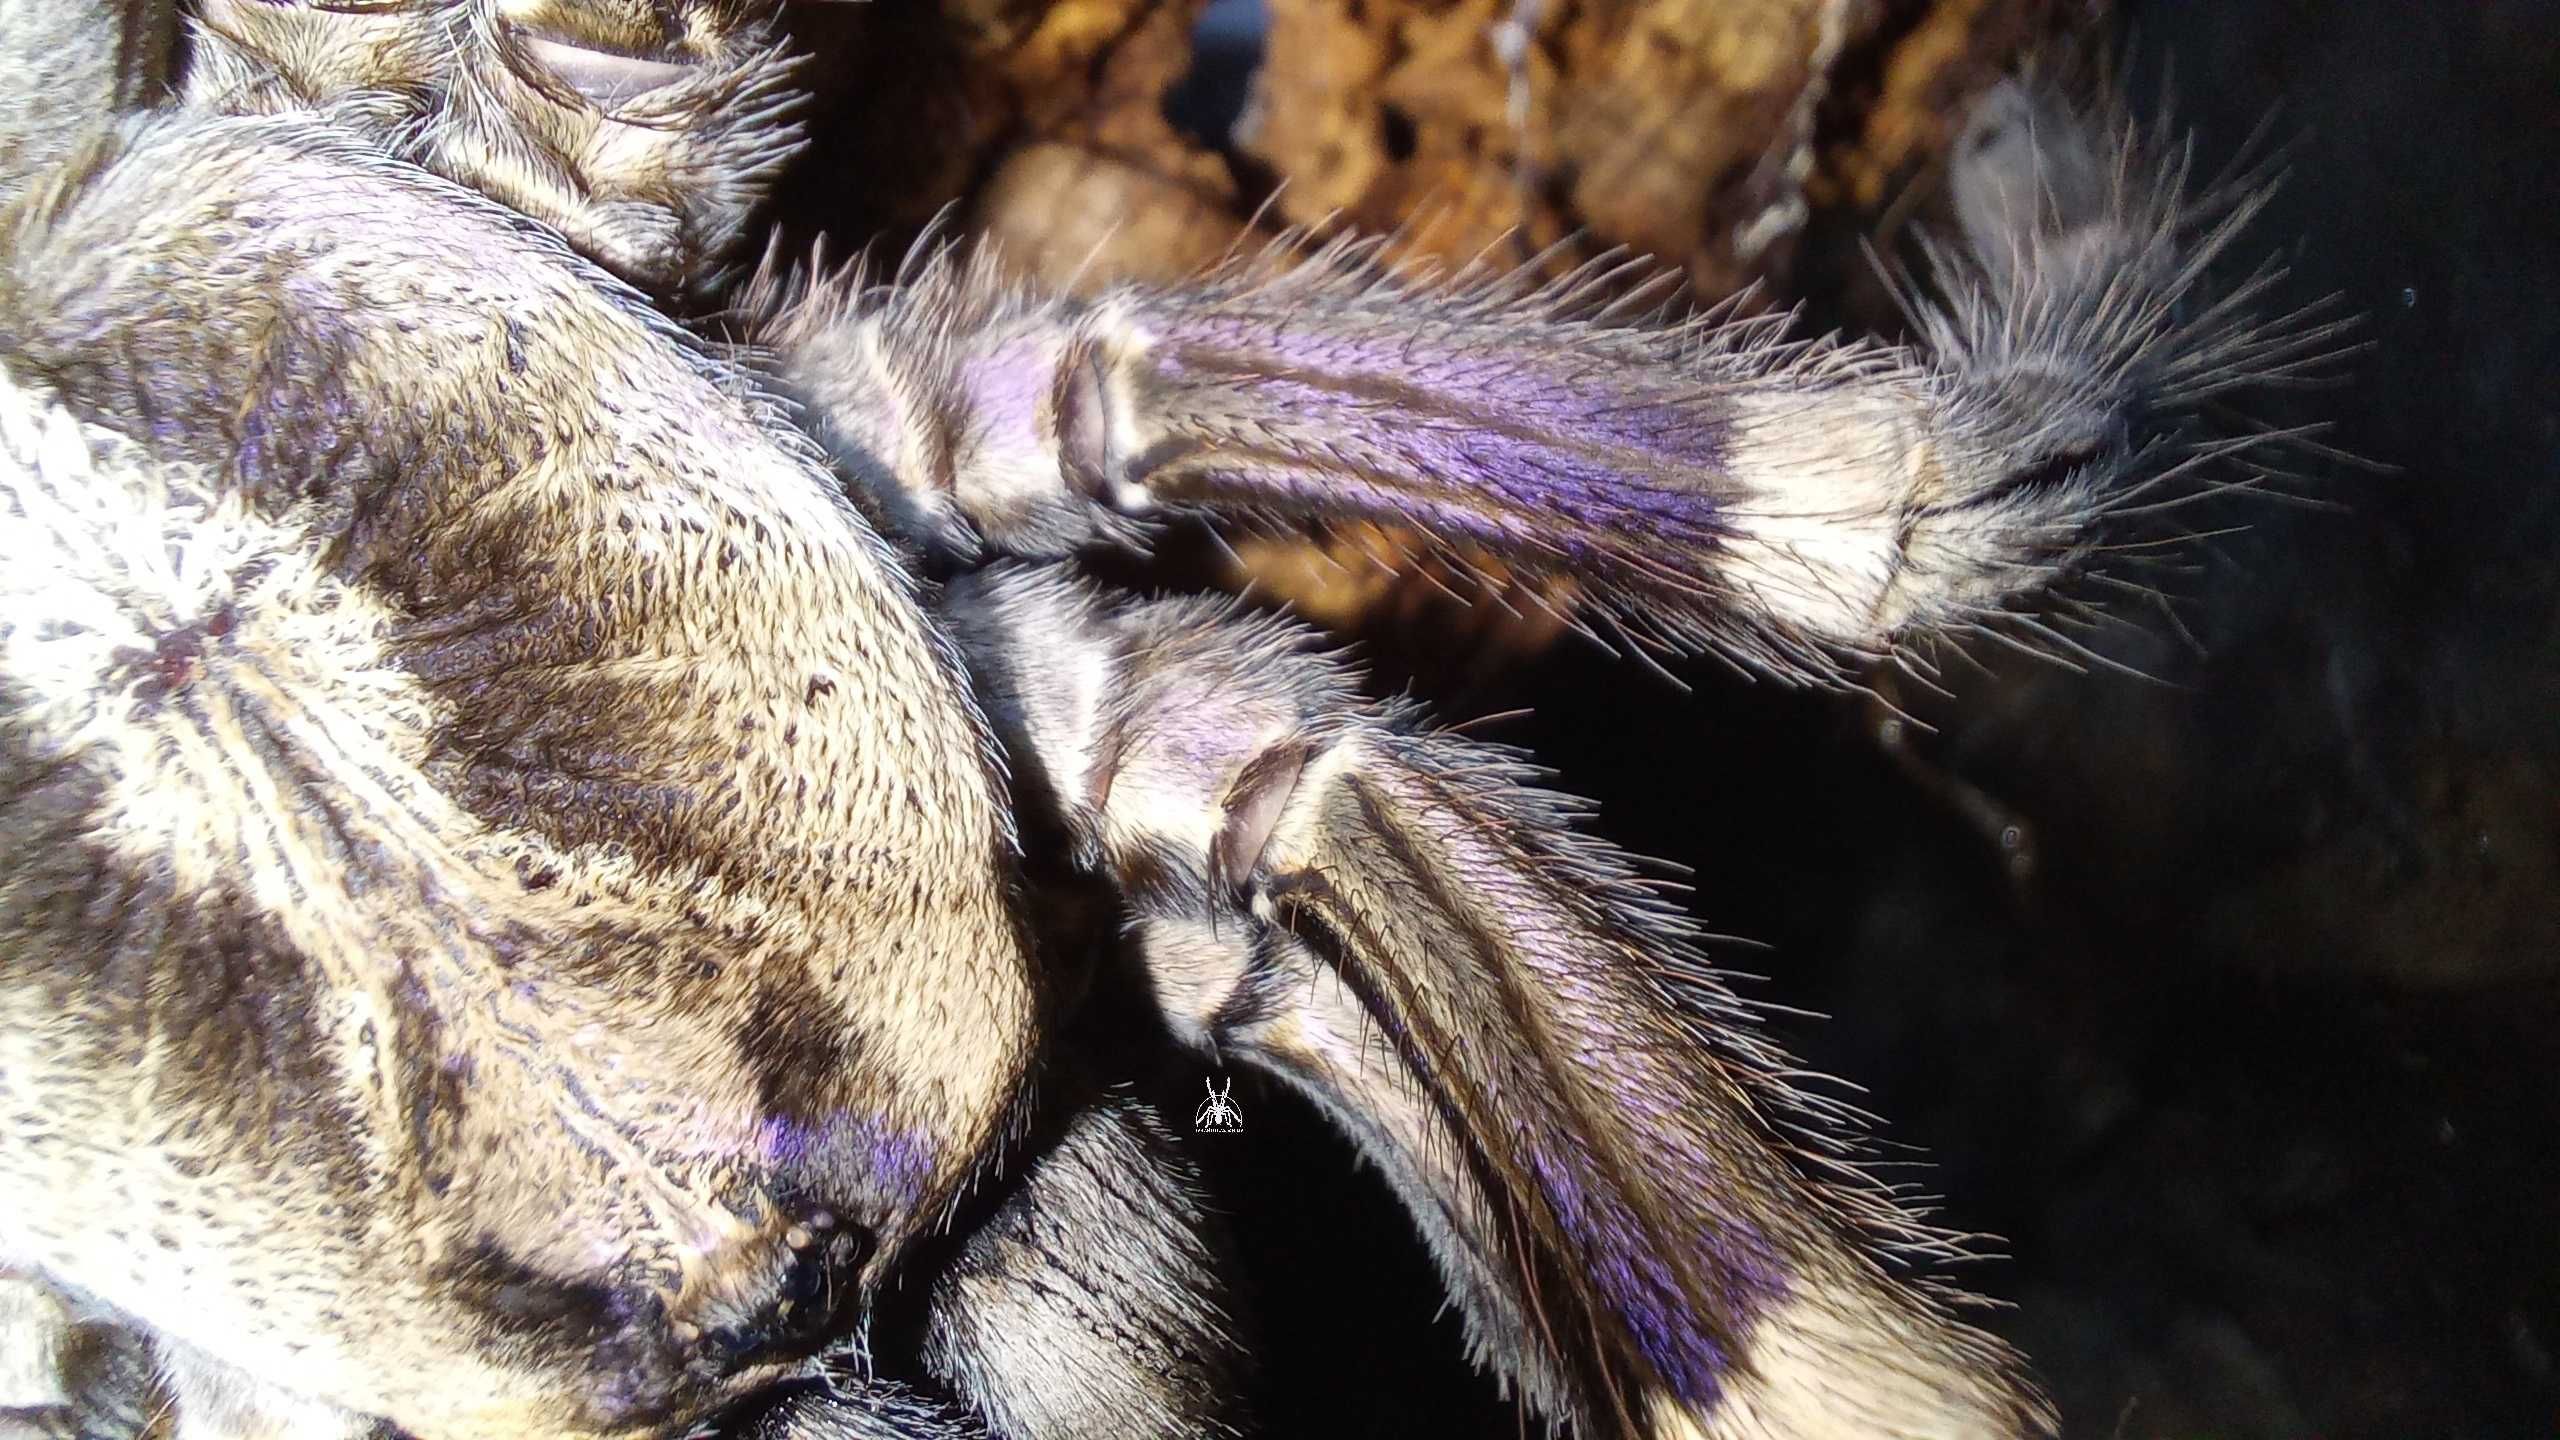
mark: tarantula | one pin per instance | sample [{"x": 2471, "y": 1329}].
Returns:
[{"x": 525, "y": 829}]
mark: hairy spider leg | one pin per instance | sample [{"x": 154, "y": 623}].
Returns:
[{"x": 1793, "y": 507}]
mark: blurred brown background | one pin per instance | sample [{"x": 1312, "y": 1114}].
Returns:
[{"x": 2228, "y": 996}]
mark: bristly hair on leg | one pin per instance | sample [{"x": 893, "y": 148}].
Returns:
[
  {"x": 2079, "y": 316},
  {"x": 1652, "y": 1225},
  {"x": 1798, "y": 508}
]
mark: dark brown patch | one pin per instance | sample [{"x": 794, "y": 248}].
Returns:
[
  {"x": 616, "y": 1336},
  {"x": 797, "y": 1044}
]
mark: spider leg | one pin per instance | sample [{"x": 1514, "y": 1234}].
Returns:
[
  {"x": 1091, "y": 1305},
  {"x": 212, "y": 1400},
  {"x": 855, "y": 1411},
  {"x": 67, "y": 1373},
  {"x": 1716, "y": 486},
  {"x": 76, "y": 63},
  {"x": 1087, "y": 1305},
  {"x": 1619, "y": 1184}
]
